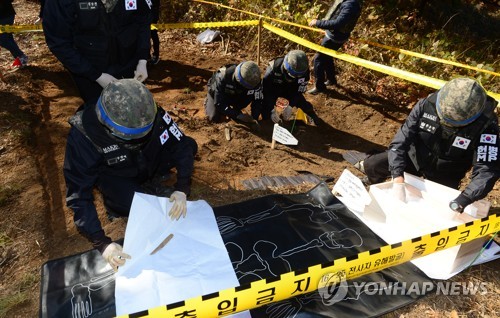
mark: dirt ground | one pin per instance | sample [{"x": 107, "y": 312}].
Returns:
[{"x": 36, "y": 102}]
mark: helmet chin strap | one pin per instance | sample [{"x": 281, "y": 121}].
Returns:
[
  {"x": 131, "y": 144},
  {"x": 118, "y": 137}
]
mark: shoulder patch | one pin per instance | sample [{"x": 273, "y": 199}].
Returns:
[
  {"x": 488, "y": 139},
  {"x": 164, "y": 137},
  {"x": 461, "y": 142}
]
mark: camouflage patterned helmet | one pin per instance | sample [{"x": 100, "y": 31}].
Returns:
[
  {"x": 295, "y": 63},
  {"x": 247, "y": 74},
  {"x": 460, "y": 102},
  {"x": 127, "y": 108}
]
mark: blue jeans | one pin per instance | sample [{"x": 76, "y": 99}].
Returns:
[
  {"x": 7, "y": 39},
  {"x": 324, "y": 65}
]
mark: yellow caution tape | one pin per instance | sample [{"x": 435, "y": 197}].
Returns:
[
  {"x": 228, "y": 7},
  {"x": 412, "y": 77},
  {"x": 427, "y": 57},
  {"x": 205, "y": 24},
  {"x": 38, "y": 27},
  {"x": 291, "y": 284},
  {"x": 419, "y": 55},
  {"x": 20, "y": 28},
  {"x": 260, "y": 16},
  {"x": 406, "y": 75}
]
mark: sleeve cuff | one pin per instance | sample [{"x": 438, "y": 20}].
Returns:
[
  {"x": 463, "y": 200},
  {"x": 396, "y": 174},
  {"x": 99, "y": 240},
  {"x": 184, "y": 186}
]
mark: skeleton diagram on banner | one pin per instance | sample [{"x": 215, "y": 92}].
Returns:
[
  {"x": 272, "y": 262},
  {"x": 81, "y": 300},
  {"x": 317, "y": 214}
]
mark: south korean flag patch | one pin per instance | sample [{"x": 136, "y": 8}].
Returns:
[
  {"x": 167, "y": 118},
  {"x": 488, "y": 139},
  {"x": 164, "y": 137},
  {"x": 461, "y": 142},
  {"x": 130, "y": 5}
]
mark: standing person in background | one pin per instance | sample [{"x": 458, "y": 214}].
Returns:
[
  {"x": 338, "y": 23},
  {"x": 7, "y": 16},
  {"x": 100, "y": 41},
  {"x": 230, "y": 90},
  {"x": 287, "y": 77},
  {"x": 155, "y": 13}
]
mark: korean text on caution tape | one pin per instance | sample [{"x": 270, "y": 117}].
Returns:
[{"x": 291, "y": 284}]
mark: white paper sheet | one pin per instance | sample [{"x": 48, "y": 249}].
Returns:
[
  {"x": 195, "y": 261},
  {"x": 424, "y": 213}
]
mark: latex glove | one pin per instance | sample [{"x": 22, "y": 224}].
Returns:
[
  {"x": 275, "y": 117},
  {"x": 105, "y": 79},
  {"x": 287, "y": 113},
  {"x": 141, "y": 71},
  {"x": 245, "y": 118},
  {"x": 399, "y": 191},
  {"x": 114, "y": 255},
  {"x": 179, "y": 208}
]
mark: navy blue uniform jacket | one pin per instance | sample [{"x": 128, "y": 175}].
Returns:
[
  {"x": 92, "y": 152},
  {"x": 88, "y": 41},
  {"x": 446, "y": 154},
  {"x": 229, "y": 96}
]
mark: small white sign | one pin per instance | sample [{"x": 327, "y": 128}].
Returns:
[
  {"x": 283, "y": 136},
  {"x": 351, "y": 188}
]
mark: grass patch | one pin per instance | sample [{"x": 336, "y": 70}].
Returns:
[
  {"x": 18, "y": 125},
  {"x": 4, "y": 240},
  {"x": 10, "y": 300},
  {"x": 7, "y": 192}
]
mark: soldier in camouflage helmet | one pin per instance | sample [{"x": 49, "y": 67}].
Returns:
[
  {"x": 287, "y": 77},
  {"x": 295, "y": 63},
  {"x": 118, "y": 110},
  {"x": 460, "y": 102},
  {"x": 122, "y": 145},
  {"x": 231, "y": 89},
  {"x": 445, "y": 135}
]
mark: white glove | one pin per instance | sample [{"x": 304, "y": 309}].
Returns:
[
  {"x": 179, "y": 208},
  {"x": 105, "y": 79},
  {"x": 114, "y": 256},
  {"x": 275, "y": 117},
  {"x": 287, "y": 113},
  {"x": 399, "y": 191},
  {"x": 141, "y": 71}
]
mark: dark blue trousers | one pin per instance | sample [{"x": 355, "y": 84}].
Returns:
[
  {"x": 324, "y": 67},
  {"x": 7, "y": 39}
]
